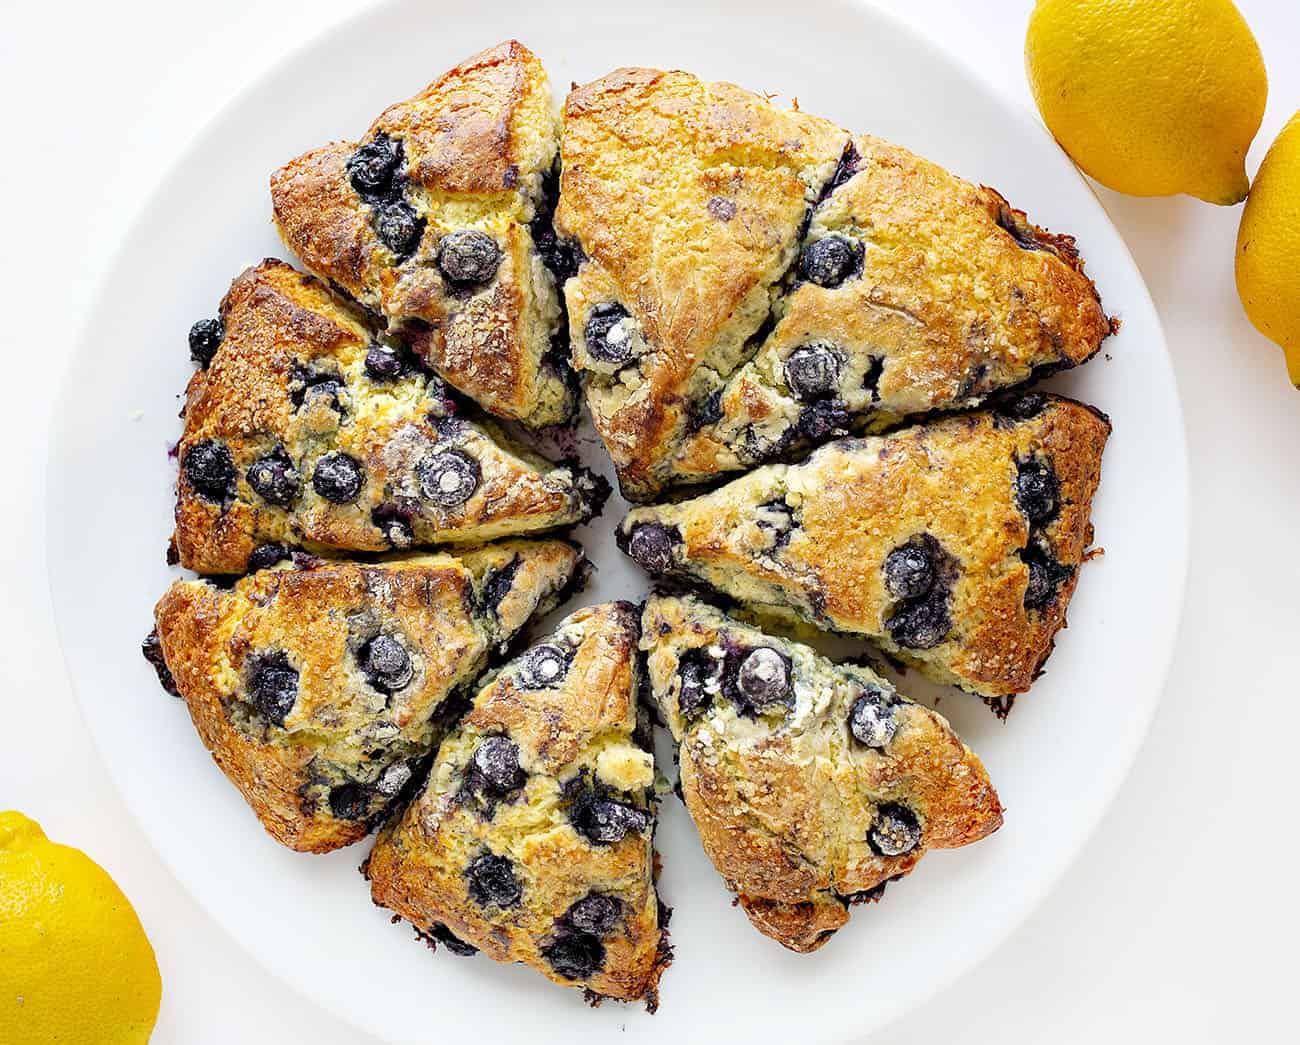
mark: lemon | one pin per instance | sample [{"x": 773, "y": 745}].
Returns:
[
  {"x": 1150, "y": 97},
  {"x": 75, "y": 964},
  {"x": 1268, "y": 247}
]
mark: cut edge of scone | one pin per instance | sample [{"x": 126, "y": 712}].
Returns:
[
  {"x": 532, "y": 838},
  {"x": 321, "y": 687},
  {"x": 812, "y": 785}
]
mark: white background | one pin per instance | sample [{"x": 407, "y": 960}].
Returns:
[{"x": 1177, "y": 922}]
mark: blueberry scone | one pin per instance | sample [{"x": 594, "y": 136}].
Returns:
[
  {"x": 687, "y": 200},
  {"x": 321, "y": 687},
  {"x": 812, "y": 784},
  {"x": 915, "y": 291},
  {"x": 532, "y": 839},
  {"x": 303, "y": 428},
  {"x": 955, "y": 545},
  {"x": 437, "y": 220}
]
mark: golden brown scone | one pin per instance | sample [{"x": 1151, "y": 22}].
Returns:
[
  {"x": 304, "y": 429},
  {"x": 954, "y": 545},
  {"x": 687, "y": 199},
  {"x": 427, "y": 222},
  {"x": 318, "y": 687},
  {"x": 916, "y": 291},
  {"x": 532, "y": 839},
  {"x": 812, "y": 784}
]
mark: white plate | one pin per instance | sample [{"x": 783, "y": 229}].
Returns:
[{"x": 1057, "y": 762}]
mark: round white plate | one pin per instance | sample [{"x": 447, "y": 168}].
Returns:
[{"x": 1057, "y": 762}]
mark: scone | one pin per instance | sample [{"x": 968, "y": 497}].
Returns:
[
  {"x": 687, "y": 200},
  {"x": 532, "y": 840},
  {"x": 322, "y": 687},
  {"x": 812, "y": 784},
  {"x": 438, "y": 219},
  {"x": 305, "y": 429},
  {"x": 915, "y": 291},
  {"x": 955, "y": 545}
]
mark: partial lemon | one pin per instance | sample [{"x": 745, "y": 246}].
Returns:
[
  {"x": 1150, "y": 97},
  {"x": 1268, "y": 247},
  {"x": 75, "y": 965}
]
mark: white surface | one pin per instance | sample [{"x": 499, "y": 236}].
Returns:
[
  {"x": 1049, "y": 769},
  {"x": 1177, "y": 919}
]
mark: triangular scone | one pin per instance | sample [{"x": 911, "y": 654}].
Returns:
[
  {"x": 305, "y": 429},
  {"x": 427, "y": 222},
  {"x": 955, "y": 545},
  {"x": 321, "y": 687},
  {"x": 532, "y": 839},
  {"x": 812, "y": 784},
  {"x": 688, "y": 200},
  {"x": 915, "y": 291}
]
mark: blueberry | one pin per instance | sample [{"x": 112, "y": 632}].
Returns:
[
  {"x": 910, "y": 569},
  {"x": 763, "y": 678},
  {"x": 383, "y": 363},
  {"x": 273, "y": 685},
  {"x": 264, "y": 556},
  {"x": 372, "y": 166},
  {"x": 328, "y": 389},
  {"x": 393, "y": 522},
  {"x": 871, "y": 718},
  {"x": 305, "y": 383},
  {"x": 609, "y": 333},
  {"x": 399, "y": 228},
  {"x": 338, "y": 478},
  {"x": 651, "y": 546},
  {"x": 274, "y": 478},
  {"x": 895, "y": 832},
  {"x": 1046, "y": 575},
  {"x": 496, "y": 760},
  {"x": 449, "y": 477},
  {"x": 830, "y": 261},
  {"x": 350, "y": 801},
  {"x": 575, "y": 956},
  {"x": 603, "y": 821},
  {"x": 1023, "y": 407},
  {"x": 492, "y": 882},
  {"x": 451, "y": 941},
  {"x": 813, "y": 370},
  {"x": 595, "y": 913},
  {"x": 499, "y": 583},
  {"x": 468, "y": 256},
  {"x": 823, "y": 417},
  {"x": 921, "y": 624},
  {"x": 386, "y": 663},
  {"x": 210, "y": 470},
  {"x": 151, "y": 647},
  {"x": 543, "y": 667},
  {"x": 205, "y": 338},
  {"x": 1038, "y": 493},
  {"x": 698, "y": 671}
]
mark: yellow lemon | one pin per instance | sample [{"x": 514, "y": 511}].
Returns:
[
  {"x": 75, "y": 964},
  {"x": 1150, "y": 97},
  {"x": 1268, "y": 247}
]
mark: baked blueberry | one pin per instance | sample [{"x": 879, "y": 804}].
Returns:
[
  {"x": 699, "y": 672},
  {"x": 451, "y": 941},
  {"x": 910, "y": 568},
  {"x": 496, "y": 761},
  {"x": 575, "y": 955},
  {"x": 498, "y": 584},
  {"x": 604, "y": 821},
  {"x": 399, "y": 228},
  {"x": 1046, "y": 576},
  {"x": 210, "y": 470},
  {"x": 468, "y": 256},
  {"x": 763, "y": 678},
  {"x": 274, "y": 478},
  {"x": 543, "y": 667},
  {"x": 830, "y": 261},
  {"x": 823, "y": 417},
  {"x": 1038, "y": 493},
  {"x": 896, "y": 831},
  {"x": 609, "y": 333},
  {"x": 383, "y": 363},
  {"x": 151, "y": 647},
  {"x": 1023, "y": 407},
  {"x": 205, "y": 338},
  {"x": 394, "y": 523},
  {"x": 338, "y": 478},
  {"x": 871, "y": 719},
  {"x": 921, "y": 624},
  {"x": 449, "y": 477},
  {"x": 372, "y": 166},
  {"x": 651, "y": 546},
  {"x": 264, "y": 556},
  {"x": 492, "y": 882},
  {"x": 813, "y": 370},
  {"x": 386, "y": 663},
  {"x": 595, "y": 913},
  {"x": 350, "y": 801},
  {"x": 273, "y": 685}
]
